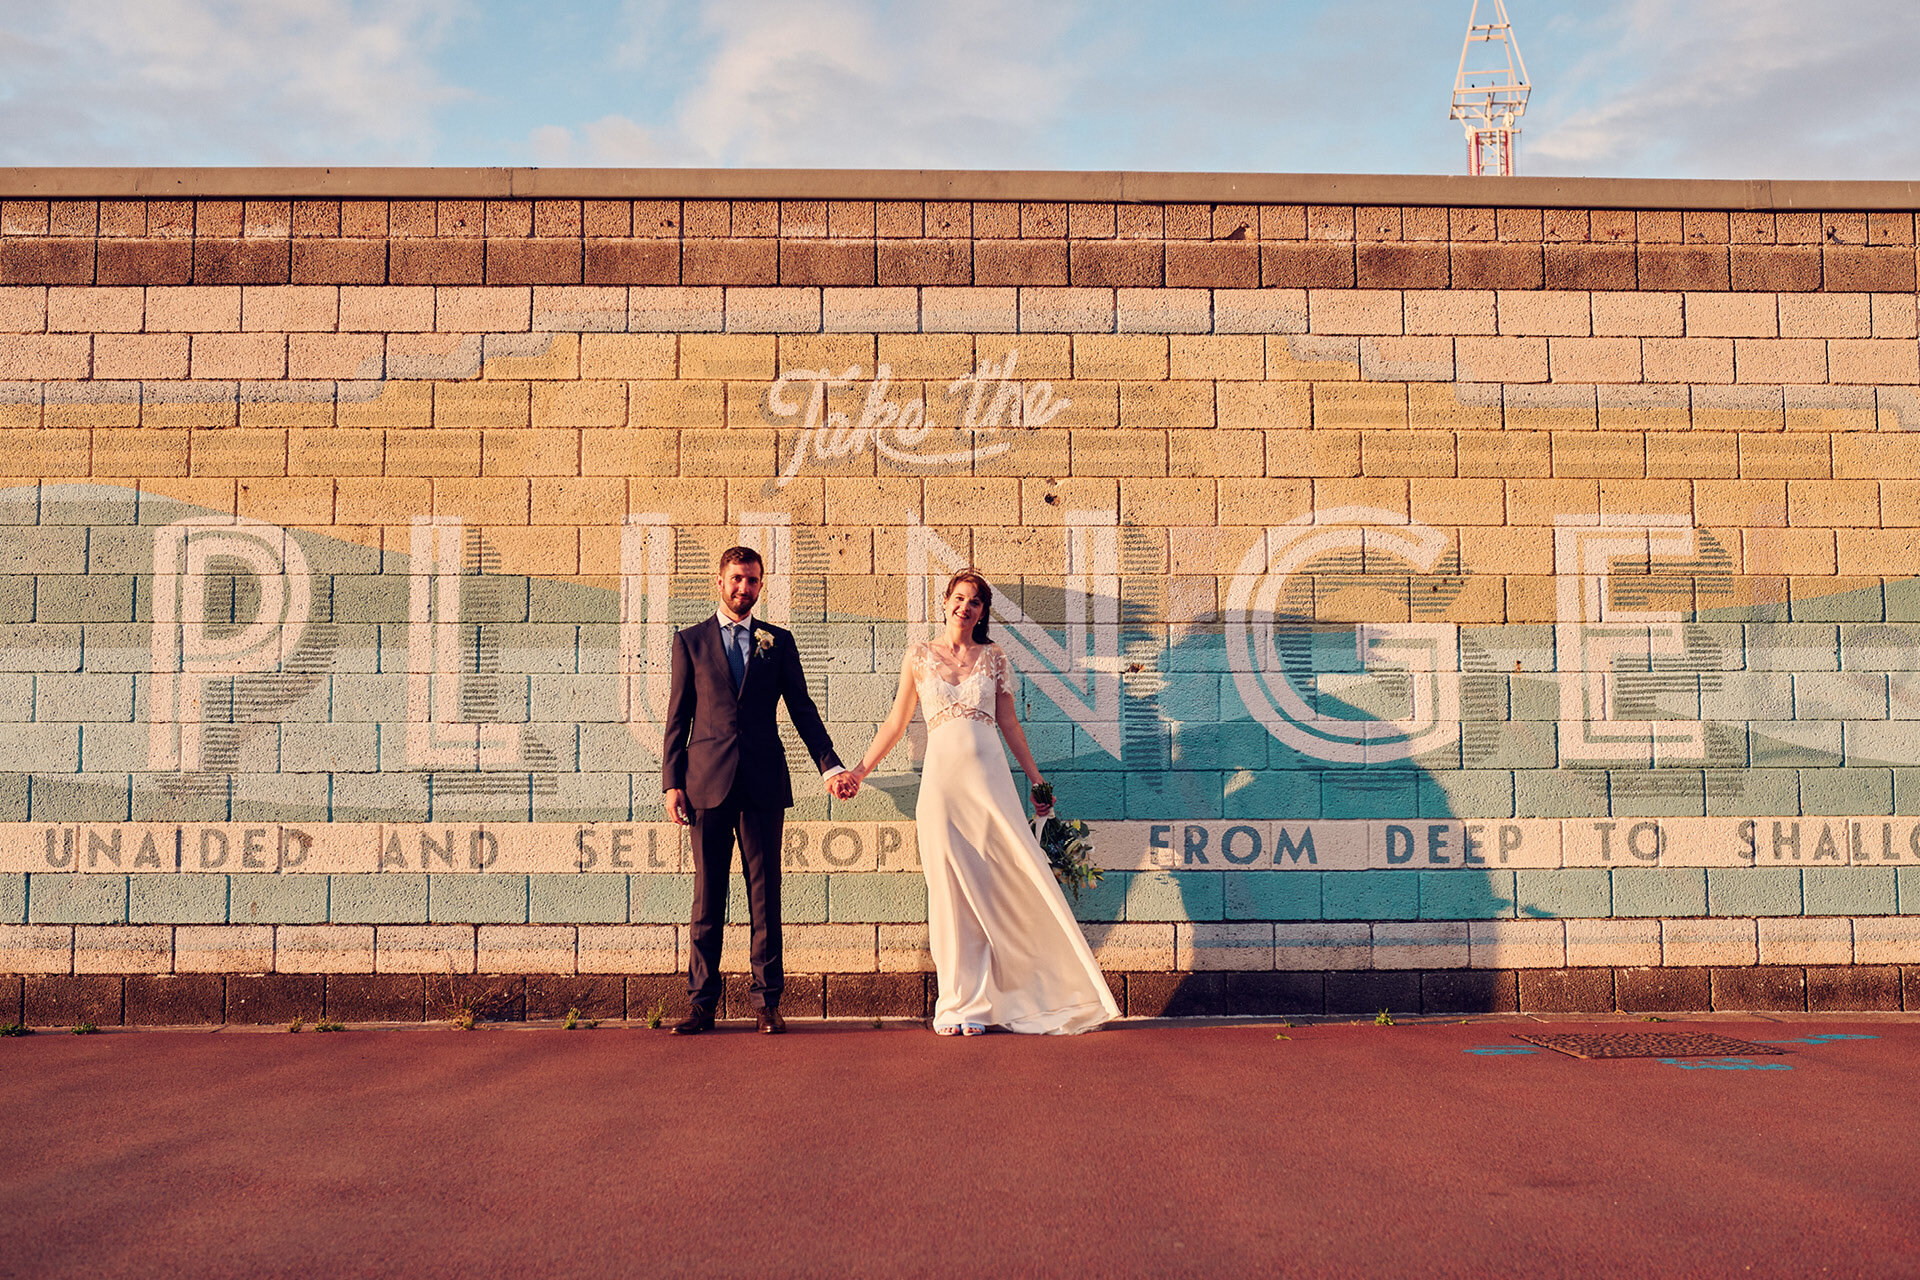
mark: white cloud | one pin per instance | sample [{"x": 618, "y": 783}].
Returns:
[
  {"x": 611, "y": 140},
  {"x": 220, "y": 81},
  {"x": 841, "y": 83},
  {"x": 1735, "y": 88}
]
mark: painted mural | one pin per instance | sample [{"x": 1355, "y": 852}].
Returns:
[{"x": 169, "y": 662}]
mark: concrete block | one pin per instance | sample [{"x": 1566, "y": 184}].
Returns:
[
  {"x": 1234, "y": 946},
  {"x": 1659, "y": 990},
  {"x": 13, "y": 898},
  {"x": 1130, "y": 946},
  {"x": 177, "y": 899},
  {"x": 425, "y": 948},
  {"x": 1469, "y": 991},
  {"x": 903, "y": 948},
  {"x": 818, "y": 948},
  {"x": 1660, "y": 891},
  {"x": 1065, "y": 310},
  {"x": 579, "y": 899},
  {"x": 1886, "y": 940},
  {"x": 1599, "y": 943},
  {"x": 1107, "y": 900},
  {"x": 84, "y": 697},
  {"x": 1466, "y": 895},
  {"x": 1420, "y": 945},
  {"x": 1849, "y": 891},
  {"x": 328, "y": 748},
  {"x": 477, "y": 899},
  {"x": 55, "y": 549},
  {"x": 968, "y": 310},
  {"x": 76, "y": 899},
  {"x": 223, "y": 948},
  {"x": 575, "y": 698},
  {"x": 1764, "y": 988},
  {"x": 660, "y": 899},
  {"x": 323, "y": 948},
  {"x": 1806, "y": 940},
  {"x": 277, "y": 899},
  {"x": 1754, "y": 891},
  {"x": 858, "y": 310},
  {"x": 1708, "y": 942},
  {"x": 1517, "y": 944},
  {"x": 526, "y": 948},
  {"x": 169, "y": 1000},
  {"x": 390, "y": 898},
  {"x": 876, "y": 897},
  {"x": 1174, "y": 895},
  {"x": 1853, "y": 988},
  {"x": 1566, "y": 990},
  {"x": 1265, "y": 895},
  {"x": 122, "y": 948},
  {"x": 36, "y": 948},
  {"x": 1186, "y": 311},
  {"x": 624, "y": 948},
  {"x": 1845, "y": 792},
  {"x": 34, "y": 647},
  {"x": 1370, "y": 895},
  {"x": 1322, "y": 946}
]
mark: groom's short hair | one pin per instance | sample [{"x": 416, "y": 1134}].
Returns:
[{"x": 740, "y": 555}]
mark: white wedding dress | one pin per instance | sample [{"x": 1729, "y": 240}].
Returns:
[{"x": 1005, "y": 944}]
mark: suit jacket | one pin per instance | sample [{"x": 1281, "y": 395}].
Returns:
[{"x": 714, "y": 736}]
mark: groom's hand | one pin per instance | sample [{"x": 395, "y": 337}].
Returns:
[
  {"x": 677, "y": 807},
  {"x": 844, "y": 786}
]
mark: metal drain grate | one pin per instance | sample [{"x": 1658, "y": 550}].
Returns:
[{"x": 1647, "y": 1044}]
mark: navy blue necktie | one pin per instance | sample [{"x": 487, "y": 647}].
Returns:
[{"x": 737, "y": 654}]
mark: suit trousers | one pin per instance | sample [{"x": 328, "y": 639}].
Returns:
[{"x": 759, "y": 832}]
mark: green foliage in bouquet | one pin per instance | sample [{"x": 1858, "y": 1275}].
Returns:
[{"x": 1068, "y": 849}]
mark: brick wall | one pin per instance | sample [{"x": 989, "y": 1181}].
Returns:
[{"x": 1432, "y": 605}]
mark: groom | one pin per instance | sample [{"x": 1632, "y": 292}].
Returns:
[{"x": 724, "y": 772}]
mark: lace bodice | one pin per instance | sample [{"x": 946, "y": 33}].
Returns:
[{"x": 947, "y": 692}]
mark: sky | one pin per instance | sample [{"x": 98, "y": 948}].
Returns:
[{"x": 1635, "y": 88}]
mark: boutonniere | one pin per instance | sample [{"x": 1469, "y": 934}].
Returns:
[{"x": 763, "y": 642}]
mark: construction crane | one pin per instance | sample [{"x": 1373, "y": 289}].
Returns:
[{"x": 1490, "y": 98}]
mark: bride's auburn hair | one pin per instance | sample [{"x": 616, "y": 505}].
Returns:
[{"x": 982, "y": 592}]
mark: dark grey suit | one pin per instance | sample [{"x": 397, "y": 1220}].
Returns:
[{"x": 724, "y": 750}]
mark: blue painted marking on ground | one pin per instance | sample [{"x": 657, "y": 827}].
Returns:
[
  {"x": 1824, "y": 1039},
  {"x": 1726, "y": 1064},
  {"x": 1498, "y": 1050}
]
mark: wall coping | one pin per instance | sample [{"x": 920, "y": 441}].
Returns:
[{"x": 267, "y": 183}]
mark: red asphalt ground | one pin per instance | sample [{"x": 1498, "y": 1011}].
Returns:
[{"x": 839, "y": 1150}]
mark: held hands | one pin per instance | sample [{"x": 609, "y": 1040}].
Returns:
[{"x": 844, "y": 786}]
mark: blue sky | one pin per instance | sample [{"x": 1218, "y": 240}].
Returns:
[{"x": 1644, "y": 88}]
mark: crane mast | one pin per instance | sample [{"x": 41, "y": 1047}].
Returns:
[{"x": 1490, "y": 95}]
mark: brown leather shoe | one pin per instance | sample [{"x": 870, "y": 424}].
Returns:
[
  {"x": 694, "y": 1023},
  {"x": 770, "y": 1022}
]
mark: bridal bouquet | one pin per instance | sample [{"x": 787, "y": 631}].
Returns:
[{"x": 1068, "y": 849}]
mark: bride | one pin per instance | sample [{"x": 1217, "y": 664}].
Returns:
[{"x": 1005, "y": 944}]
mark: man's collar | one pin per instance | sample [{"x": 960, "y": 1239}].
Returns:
[{"x": 720, "y": 615}]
